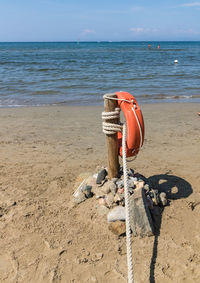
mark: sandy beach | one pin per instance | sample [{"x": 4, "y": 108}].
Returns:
[{"x": 45, "y": 239}]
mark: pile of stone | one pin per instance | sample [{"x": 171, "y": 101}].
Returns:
[{"x": 111, "y": 201}]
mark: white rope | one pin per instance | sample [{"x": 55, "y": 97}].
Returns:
[
  {"x": 108, "y": 96},
  {"x": 107, "y": 128},
  {"x": 110, "y": 128},
  {"x": 127, "y": 208},
  {"x": 139, "y": 126}
]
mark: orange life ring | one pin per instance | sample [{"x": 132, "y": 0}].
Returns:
[{"x": 134, "y": 123}]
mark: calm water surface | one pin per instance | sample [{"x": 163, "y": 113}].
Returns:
[{"x": 80, "y": 73}]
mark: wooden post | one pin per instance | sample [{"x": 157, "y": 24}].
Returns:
[{"x": 112, "y": 143}]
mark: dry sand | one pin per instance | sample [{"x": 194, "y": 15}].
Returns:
[{"x": 43, "y": 239}]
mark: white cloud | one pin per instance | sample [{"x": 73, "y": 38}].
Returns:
[
  {"x": 193, "y": 4},
  {"x": 137, "y": 30},
  {"x": 140, "y": 30},
  {"x": 87, "y": 31}
]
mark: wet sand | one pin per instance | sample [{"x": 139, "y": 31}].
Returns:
[{"x": 44, "y": 239}]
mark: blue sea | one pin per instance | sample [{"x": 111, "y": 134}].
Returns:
[{"x": 80, "y": 73}]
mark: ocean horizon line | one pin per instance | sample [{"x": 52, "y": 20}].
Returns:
[{"x": 98, "y": 41}]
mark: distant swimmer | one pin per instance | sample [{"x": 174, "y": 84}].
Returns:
[{"x": 149, "y": 46}]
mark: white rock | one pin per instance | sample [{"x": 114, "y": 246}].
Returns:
[
  {"x": 95, "y": 176},
  {"x": 79, "y": 196},
  {"x": 117, "y": 213}
]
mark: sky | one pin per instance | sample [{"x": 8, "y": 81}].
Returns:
[{"x": 99, "y": 20}]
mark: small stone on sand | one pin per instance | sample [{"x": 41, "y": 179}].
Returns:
[
  {"x": 117, "y": 227},
  {"x": 79, "y": 197},
  {"x": 101, "y": 176}
]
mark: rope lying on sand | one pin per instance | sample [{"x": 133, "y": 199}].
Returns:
[{"x": 110, "y": 129}]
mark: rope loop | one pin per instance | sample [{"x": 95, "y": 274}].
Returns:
[
  {"x": 111, "y": 128},
  {"x": 111, "y": 115},
  {"x": 108, "y": 96}
]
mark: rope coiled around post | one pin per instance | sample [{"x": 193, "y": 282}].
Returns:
[{"x": 111, "y": 128}]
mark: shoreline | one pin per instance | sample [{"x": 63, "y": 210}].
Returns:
[{"x": 93, "y": 105}]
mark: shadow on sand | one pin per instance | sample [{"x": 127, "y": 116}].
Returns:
[{"x": 175, "y": 188}]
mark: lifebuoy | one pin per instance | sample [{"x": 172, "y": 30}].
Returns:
[{"x": 134, "y": 122}]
